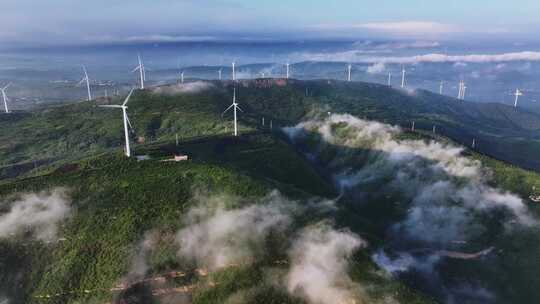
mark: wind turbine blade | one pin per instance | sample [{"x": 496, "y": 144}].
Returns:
[
  {"x": 7, "y": 86},
  {"x": 239, "y": 109},
  {"x": 136, "y": 69},
  {"x": 127, "y": 98},
  {"x": 110, "y": 106},
  {"x": 129, "y": 122},
  {"x": 81, "y": 82},
  {"x": 230, "y": 107}
]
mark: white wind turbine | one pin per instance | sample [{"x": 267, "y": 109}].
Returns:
[
  {"x": 87, "y": 80},
  {"x": 288, "y": 65},
  {"x": 219, "y": 73},
  {"x": 389, "y": 79},
  {"x": 462, "y": 90},
  {"x": 403, "y": 77},
  {"x": 349, "y": 67},
  {"x": 234, "y": 106},
  {"x": 4, "y": 96},
  {"x": 127, "y": 124},
  {"x": 517, "y": 94},
  {"x": 142, "y": 71},
  {"x": 441, "y": 87},
  {"x": 233, "y": 71}
]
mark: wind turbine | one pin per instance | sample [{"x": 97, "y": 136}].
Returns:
[
  {"x": 233, "y": 71},
  {"x": 288, "y": 65},
  {"x": 87, "y": 80},
  {"x": 234, "y": 106},
  {"x": 142, "y": 71},
  {"x": 127, "y": 124},
  {"x": 349, "y": 72},
  {"x": 219, "y": 73},
  {"x": 5, "y": 96},
  {"x": 441, "y": 86},
  {"x": 462, "y": 89},
  {"x": 403, "y": 77},
  {"x": 517, "y": 94},
  {"x": 389, "y": 79},
  {"x": 182, "y": 77}
]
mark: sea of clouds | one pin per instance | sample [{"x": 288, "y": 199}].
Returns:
[{"x": 445, "y": 193}]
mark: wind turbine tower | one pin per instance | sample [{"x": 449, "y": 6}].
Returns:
[
  {"x": 288, "y": 69},
  {"x": 462, "y": 90},
  {"x": 235, "y": 107},
  {"x": 403, "y": 77},
  {"x": 233, "y": 71},
  {"x": 389, "y": 79},
  {"x": 441, "y": 87},
  {"x": 182, "y": 77},
  {"x": 127, "y": 124},
  {"x": 219, "y": 74},
  {"x": 517, "y": 94},
  {"x": 87, "y": 80},
  {"x": 349, "y": 72},
  {"x": 142, "y": 71},
  {"x": 4, "y": 96}
]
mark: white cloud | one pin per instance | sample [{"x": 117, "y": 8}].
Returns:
[
  {"x": 376, "y": 68},
  {"x": 38, "y": 213},
  {"x": 360, "y": 57},
  {"x": 216, "y": 237},
  {"x": 396, "y": 45},
  {"x": 410, "y": 27},
  {"x": 447, "y": 191},
  {"x": 183, "y": 88},
  {"x": 319, "y": 265}
]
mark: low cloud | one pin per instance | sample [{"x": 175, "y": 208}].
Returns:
[
  {"x": 404, "y": 262},
  {"x": 217, "y": 237},
  {"x": 446, "y": 200},
  {"x": 409, "y": 27},
  {"x": 359, "y": 56},
  {"x": 447, "y": 192},
  {"x": 39, "y": 214},
  {"x": 396, "y": 45},
  {"x": 376, "y": 68},
  {"x": 139, "y": 265},
  {"x": 319, "y": 263},
  {"x": 183, "y": 88}
]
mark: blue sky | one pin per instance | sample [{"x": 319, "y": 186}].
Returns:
[{"x": 91, "y": 21}]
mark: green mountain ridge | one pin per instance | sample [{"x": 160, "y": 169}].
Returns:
[{"x": 117, "y": 201}]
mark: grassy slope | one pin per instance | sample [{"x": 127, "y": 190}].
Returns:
[
  {"x": 117, "y": 200},
  {"x": 69, "y": 131}
]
